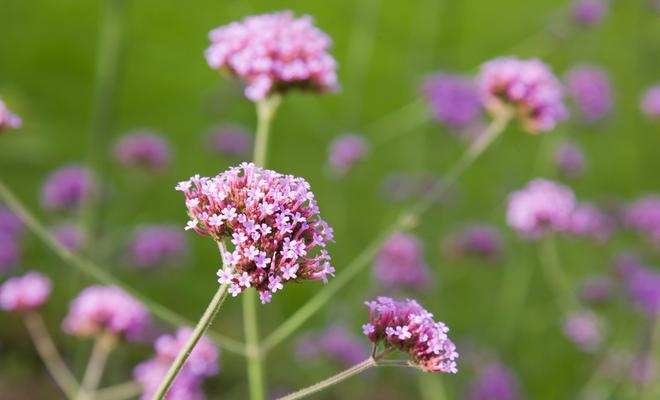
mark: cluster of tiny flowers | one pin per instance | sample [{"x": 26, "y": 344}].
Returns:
[
  {"x": 643, "y": 286},
  {"x": 400, "y": 263},
  {"x": 452, "y": 99},
  {"x": 569, "y": 159},
  {"x": 541, "y": 207},
  {"x": 69, "y": 235},
  {"x": 408, "y": 327},
  {"x": 345, "y": 151},
  {"x": 529, "y": 86},
  {"x": 272, "y": 221},
  {"x": 10, "y": 223},
  {"x": 596, "y": 289},
  {"x": 589, "y": 87},
  {"x": 584, "y": 328},
  {"x": 11, "y": 228},
  {"x": 651, "y": 102},
  {"x": 494, "y": 382},
  {"x": 230, "y": 140},
  {"x": 202, "y": 363},
  {"x": 336, "y": 343},
  {"x": 157, "y": 245},
  {"x": 590, "y": 221},
  {"x": 145, "y": 149},
  {"x": 643, "y": 215},
  {"x": 8, "y": 120},
  {"x": 25, "y": 293},
  {"x": 99, "y": 309},
  {"x": 477, "y": 240},
  {"x": 67, "y": 188},
  {"x": 589, "y": 12},
  {"x": 273, "y": 53}
]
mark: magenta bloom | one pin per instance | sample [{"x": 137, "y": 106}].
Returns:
[
  {"x": 400, "y": 263},
  {"x": 406, "y": 326},
  {"x": 584, "y": 328},
  {"x": 272, "y": 221},
  {"x": 345, "y": 151},
  {"x": 10, "y": 251},
  {"x": 643, "y": 286},
  {"x": 10, "y": 223},
  {"x": 144, "y": 149},
  {"x": 336, "y": 343},
  {"x": 106, "y": 308},
  {"x": 452, "y": 99},
  {"x": 597, "y": 289},
  {"x": 203, "y": 360},
  {"x": 8, "y": 120},
  {"x": 569, "y": 159},
  {"x": 643, "y": 215},
  {"x": 157, "y": 245},
  {"x": 273, "y": 53},
  {"x": 541, "y": 207},
  {"x": 150, "y": 373},
  {"x": 588, "y": 220},
  {"x": 231, "y": 140},
  {"x": 494, "y": 382},
  {"x": 529, "y": 86},
  {"x": 67, "y": 188},
  {"x": 25, "y": 293},
  {"x": 478, "y": 240},
  {"x": 589, "y": 12},
  {"x": 589, "y": 86},
  {"x": 69, "y": 235},
  {"x": 651, "y": 102}
]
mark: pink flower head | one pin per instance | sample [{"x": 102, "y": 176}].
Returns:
[
  {"x": 589, "y": 12},
  {"x": 150, "y": 373},
  {"x": 588, "y": 220},
  {"x": 143, "y": 149},
  {"x": 106, "y": 308},
  {"x": 230, "y": 140},
  {"x": 569, "y": 159},
  {"x": 651, "y": 102},
  {"x": 10, "y": 223},
  {"x": 273, "y": 53},
  {"x": 585, "y": 329},
  {"x": 643, "y": 286},
  {"x": 271, "y": 220},
  {"x": 10, "y": 251},
  {"x": 590, "y": 88},
  {"x": 345, "y": 151},
  {"x": 643, "y": 215},
  {"x": 8, "y": 120},
  {"x": 202, "y": 362},
  {"x": 494, "y": 382},
  {"x": 67, "y": 188},
  {"x": 543, "y": 206},
  {"x": 480, "y": 240},
  {"x": 157, "y": 245},
  {"x": 529, "y": 86},
  {"x": 336, "y": 343},
  {"x": 400, "y": 263},
  {"x": 69, "y": 235},
  {"x": 406, "y": 326},
  {"x": 453, "y": 99},
  {"x": 25, "y": 293}
]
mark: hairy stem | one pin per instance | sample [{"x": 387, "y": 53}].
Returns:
[
  {"x": 103, "y": 345},
  {"x": 49, "y": 355},
  {"x": 122, "y": 391}
]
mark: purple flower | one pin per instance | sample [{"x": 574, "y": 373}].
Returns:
[
  {"x": 406, "y": 326},
  {"x": 643, "y": 215},
  {"x": 543, "y": 206},
  {"x": 345, "y": 151},
  {"x": 589, "y": 86},
  {"x": 589, "y": 220},
  {"x": 626, "y": 264},
  {"x": 589, "y": 12},
  {"x": 157, "y": 245},
  {"x": 336, "y": 343},
  {"x": 651, "y": 102},
  {"x": 10, "y": 223},
  {"x": 569, "y": 159},
  {"x": 479, "y": 240},
  {"x": 529, "y": 86},
  {"x": 584, "y": 328},
  {"x": 494, "y": 382},
  {"x": 400, "y": 263},
  {"x": 143, "y": 149},
  {"x": 452, "y": 99},
  {"x": 69, "y": 235},
  {"x": 597, "y": 289},
  {"x": 202, "y": 362},
  {"x": 10, "y": 251},
  {"x": 67, "y": 188},
  {"x": 273, "y": 53},
  {"x": 106, "y": 308},
  {"x": 25, "y": 293},
  {"x": 150, "y": 373},
  {"x": 8, "y": 120},
  {"x": 643, "y": 286},
  {"x": 265, "y": 215},
  {"x": 231, "y": 140}
]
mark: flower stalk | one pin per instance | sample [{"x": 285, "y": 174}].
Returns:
[{"x": 103, "y": 345}]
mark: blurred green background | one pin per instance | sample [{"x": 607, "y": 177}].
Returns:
[{"x": 48, "y": 53}]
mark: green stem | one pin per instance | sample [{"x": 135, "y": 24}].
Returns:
[
  {"x": 265, "y": 112},
  {"x": 103, "y": 345},
  {"x": 100, "y": 274},
  {"x": 362, "y": 260},
  {"x": 431, "y": 387},
  {"x": 204, "y": 322},
  {"x": 122, "y": 391},
  {"x": 49, "y": 355},
  {"x": 554, "y": 275}
]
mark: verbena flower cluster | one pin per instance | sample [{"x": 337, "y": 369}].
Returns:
[
  {"x": 25, "y": 293},
  {"x": 590, "y": 221},
  {"x": 272, "y": 221},
  {"x": 452, "y": 99},
  {"x": 529, "y": 86},
  {"x": 336, "y": 343},
  {"x": 643, "y": 286},
  {"x": 651, "y": 102},
  {"x": 479, "y": 240},
  {"x": 67, "y": 188},
  {"x": 589, "y": 12},
  {"x": 408, "y": 327},
  {"x": 8, "y": 120},
  {"x": 11, "y": 229},
  {"x": 590, "y": 88},
  {"x": 345, "y": 151},
  {"x": 143, "y": 149},
  {"x": 273, "y": 53},
  {"x": 230, "y": 140},
  {"x": 156, "y": 245},
  {"x": 494, "y": 382},
  {"x": 585, "y": 329},
  {"x": 400, "y": 263},
  {"x": 643, "y": 215}
]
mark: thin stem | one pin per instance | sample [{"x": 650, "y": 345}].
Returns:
[
  {"x": 554, "y": 275},
  {"x": 204, "y": 322},
  {"x": 363, "y": 366},
  {"x": 100, "y": 274},
  {"x": 431, "y": 387},
  {"x": 103, "y": 345},
  {"x": 310, "y": 308},
  {"x": 49, "y": 355},
  {"x": 265, "y": 112},
  {"x": 122, "y": 391}
]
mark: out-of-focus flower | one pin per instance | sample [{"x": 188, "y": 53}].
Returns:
[
  {"x": 643, "y": 215},
  {"x": 651, "y": 102},
  {"x": 642, "y": 369},
  {"x": 99, "y": 309},
  {"x": 543, "y": 206},
  {"x": 336, "y": 343},
  {"x": 150, "y": 373},
  {"x": 643, "y": 285},
  {"x": 143, "y": 149},
  {"x": 590, "y": 87},
  {"x": 453, "y": 99},
  {"x": 479, "y": 240},
  {"x": 8, "y": 120},
  {"x": 25, "y": 293},
  {"x": 157, "y": 245},
  {"x": 589, "y": 220},
  {"x": 345, "y": 151},
  {"x": 10, "y": 223},
  {"x": 408, "y": 327},
  {"x": 585, "y": 329},
  {"x": 230, "y": 140},
  {"x": 272, "y": 221},
  {"x": 494, "y": 382},
  {"x": 589, "y": 12},
  {"x": 626, "y": 264},
  {"x": 274, "y": 53},
  {"x": 67, "y": 188},
  {"x": 10, "y": 251},
  {"x": 569, "y": 159},
  {"x": 528, "y": 86},
  {"x": 400, "y": 263},
  {"x": 69, "y": 235},
  {"x": 202, "y": 362},
  {"x": 596, "y": 289}
]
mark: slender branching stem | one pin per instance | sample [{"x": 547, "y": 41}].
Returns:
[
  {"x": 122, "y": 391},
  {"x": 103, "y": 345}
]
